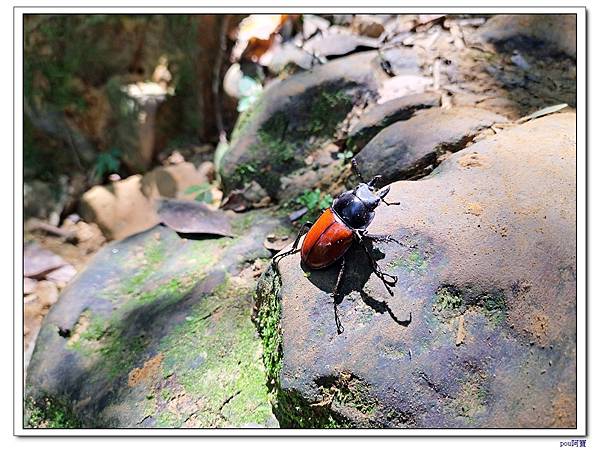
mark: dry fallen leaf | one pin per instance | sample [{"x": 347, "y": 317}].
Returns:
[
  {"x": 192, "y": 217},
  {"x": 276, "y": 243},
  {"x": 255, "y": 35}
]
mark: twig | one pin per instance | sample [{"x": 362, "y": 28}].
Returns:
[
  {"x": 216, "y": 82},
  {"x": 35, "y": 224},
  {"x": 75, "y": 150}
]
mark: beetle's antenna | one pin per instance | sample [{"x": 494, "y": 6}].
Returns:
[{"x": 356, "y": 171}]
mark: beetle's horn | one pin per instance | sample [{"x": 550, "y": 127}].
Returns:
[
  {"x": 374, "y": 181},
  {"x": 383, "y": 192}
]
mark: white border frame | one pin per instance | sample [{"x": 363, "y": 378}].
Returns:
[{"x": 582, "y": 400}]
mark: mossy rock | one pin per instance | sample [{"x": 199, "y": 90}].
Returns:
[
  {"x": 156, "y": 332},
  {"x": 293, "y": 118}
]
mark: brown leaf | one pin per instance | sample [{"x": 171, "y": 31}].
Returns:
[
  {"x": 255, "y": 35},
  {"x": 185, "y": 216},
  {"x": 275, "y": 243}
]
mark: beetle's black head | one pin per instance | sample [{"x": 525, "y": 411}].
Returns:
[
  {"x": 367, "y": 195},
  {"x": 357, "y": 207}
]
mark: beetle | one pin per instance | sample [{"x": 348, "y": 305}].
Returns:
[{"x": 345, "y": 222}]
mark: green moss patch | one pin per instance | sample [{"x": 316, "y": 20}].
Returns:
[
  {"x": 494, "y": 306},
  {"x": 327, "y": 111},
  {"x": 415, "y": 262},
  {"x": 110, "y": 339},
  {"x": 450, "y": 301},
  {"x": 290, "y": 408},
  {"x": 49, "y": 412},
  {"x": 472, "y": 397},
  {"x": 447, "y": 298},
  {"x": 215, "y": 356},
  {"x": 348, "y": 390}
]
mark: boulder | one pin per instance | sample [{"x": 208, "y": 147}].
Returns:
[
  {"x": 172, "y": 181},
  {"x": 405, "y": 148},
  {"x": 480, "y": 329},
  {"x": 557, "y": 30},
  {"x": 379, "y": 116},
  {"x": 111, "y": 207},
  {"x": 294, "y": 117},
  {"x": 156, "y": 332},
  {"x": 119, "y": 209}
]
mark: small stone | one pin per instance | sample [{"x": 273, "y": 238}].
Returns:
[{"x": 29, "y": 285}]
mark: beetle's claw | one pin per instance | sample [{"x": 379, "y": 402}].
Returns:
[{"x": 393, "y": 278}]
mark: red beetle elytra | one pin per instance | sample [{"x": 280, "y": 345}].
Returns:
[{"x": 330, "y": 237}]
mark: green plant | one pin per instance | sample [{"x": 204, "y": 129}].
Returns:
[
  {"x": 250, "y": 90},
  {"x": 202, "y": 192},
  {"x": 315, "y": 200},
  {"x": 107, "y": 162},
  {"x": 347, "y": 155},
  {"x": 244, "y": 172}
]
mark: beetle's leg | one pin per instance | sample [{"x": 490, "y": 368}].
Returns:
[
  {"x": 382, "y": 193},
  {"x": 388, "y": 280},
  {"x": 338, "y": 323},
  {"x": 339, "y": 278},
  {"x": 380, "y": 237},
  {"x": 294, "y": 248}
]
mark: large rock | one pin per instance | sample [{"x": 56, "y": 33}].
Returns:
[
  {"x": 156, "y": 332},
  {"x": 379, "y": 116},
  {"x": 293, "y": 118},
  {"x": 119, "y": 209},
  {"x": 480, "y": 331},
  {"x": 558, "y": 31},
  {"x": 404, "y": 148}
]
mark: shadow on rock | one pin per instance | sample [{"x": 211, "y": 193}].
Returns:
[{"x": 357, "y": 273}]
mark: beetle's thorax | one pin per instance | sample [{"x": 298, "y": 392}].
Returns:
[{"x": 356, "y": 208}]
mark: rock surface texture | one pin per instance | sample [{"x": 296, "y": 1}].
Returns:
[
  {"x": 156, "y": 332},
  {"x": 480, "y": 330},
  {"x": 555, "y": 30},
  {"x": 404, "y": 148}
]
